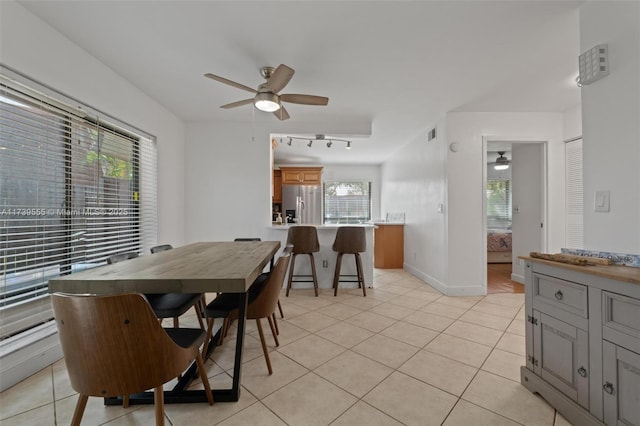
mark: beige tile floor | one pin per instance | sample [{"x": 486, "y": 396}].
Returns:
[{"x": 405, "y": 354}]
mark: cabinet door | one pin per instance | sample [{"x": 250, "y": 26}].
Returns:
[
  {"x": 291, "y": 177},
  {"x": 311, "y": 177},
  {"x": 561, "y": 356},
  {"x": 621, "y": 385},
  {"x": 277, "y": 186}
]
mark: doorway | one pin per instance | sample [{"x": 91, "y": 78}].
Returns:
[{"x": 514, "y": 209}]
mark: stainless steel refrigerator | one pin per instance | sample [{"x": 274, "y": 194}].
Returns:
[{"x": 302, "y": 203}]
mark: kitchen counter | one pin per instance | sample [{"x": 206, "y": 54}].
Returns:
[
  {"x": 615, "y": 272},
  {"x": 328, "y": 226}
]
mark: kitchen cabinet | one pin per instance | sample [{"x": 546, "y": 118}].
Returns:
[
  {"x": 583, "y": 340},
  {"x": 277, "y": 186},
  {"x": 301, "y": 175},
  {"x": 388, "y": 246}
]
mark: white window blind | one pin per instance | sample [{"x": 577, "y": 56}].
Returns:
[
  {"x": 499, "y": 204},
  {"x": 574, "y": 195},
  {"x": 75, "y": 187},
  {"x": 347, "y": 202}
]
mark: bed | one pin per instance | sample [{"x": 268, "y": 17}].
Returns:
[{"x": 499, "y": 246}]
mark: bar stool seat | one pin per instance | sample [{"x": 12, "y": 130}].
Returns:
[
  {"x": 350, "y": 240},
  {"x": 305, "y": 241}
]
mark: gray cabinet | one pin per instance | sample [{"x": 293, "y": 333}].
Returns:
[
  {"x": 621, "y": 388},
  {"x": 583, "y": 341},
  {"x": 561, "y": 356}
]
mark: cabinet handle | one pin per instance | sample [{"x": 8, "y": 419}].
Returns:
[
  {"x": 582, "y": 371},
  {"x": 559, "y": 295},
  {"x": 608, "y": 388}
]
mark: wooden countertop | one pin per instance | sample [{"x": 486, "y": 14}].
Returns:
[
  {"x": 620, "y": 273},
  {"x": 195, "y": 268}
]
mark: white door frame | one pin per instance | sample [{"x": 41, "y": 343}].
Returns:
[{"x": 513, "y": 140}]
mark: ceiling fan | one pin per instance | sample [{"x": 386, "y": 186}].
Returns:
[{"x": 266, "y": 96}]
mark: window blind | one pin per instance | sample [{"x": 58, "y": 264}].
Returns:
[
  {"x": 76, "y": 186},
  {"x": 347, "y": 202},
  {"x": 499, "y": 204}
]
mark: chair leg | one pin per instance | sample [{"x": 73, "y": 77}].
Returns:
[
  {"x": 79, "y": 410},
  {"x": 291, "y": 268},
  {"x": 176, "y": 322},
  {"x": 280, "y": 309},
  {"x": 207, "y": 337},
  {"x": 264, "y": 346},
  {"x": 158, "y": 400},
  {"x": 275, "y": 323},
  {"x": 204, "y": 378},
  {"x": 198, "y": 309},
  {"x": 313, "y": 273},
  {"x": 360, "y": 274},
  {"x": 336, "y": 274},
  {"x": 125, "y": 401},
  {"x": 273, "y": 330}
]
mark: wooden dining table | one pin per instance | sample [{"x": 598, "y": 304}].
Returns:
[{"x": 204, "y": 267}]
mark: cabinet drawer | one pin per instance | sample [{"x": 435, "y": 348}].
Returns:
[
  {"x": 621, "y": 319},
  {"x": 564, "y": 295}
]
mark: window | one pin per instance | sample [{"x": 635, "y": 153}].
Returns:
[
  {"x": 75, "y": 187},
  {"x": 347, "y": 202},
  {"x": 499, "y": 203}
]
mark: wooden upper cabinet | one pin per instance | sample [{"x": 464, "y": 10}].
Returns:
[
  {"x": 301, "y": 175},
  {"x": 277, "y": 186}
]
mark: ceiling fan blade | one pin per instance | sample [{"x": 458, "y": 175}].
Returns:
[
  {"x": 279, "y": 78},
  {"x": 304, "y": 99},
  {"x": 230, "y": 83},
  {"x": 282, "y": 113},
  {"x": 237, "y": 104}
]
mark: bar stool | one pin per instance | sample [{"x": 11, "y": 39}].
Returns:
[
  {"x": 350, "y": 240},
  {"x": 305, "y": 241}
]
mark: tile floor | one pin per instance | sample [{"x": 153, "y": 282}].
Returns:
[{"x": 404, "y": 355}]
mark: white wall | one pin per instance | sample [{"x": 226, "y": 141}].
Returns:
[
  {"x": 228, "y": 176},
  {"x": 414, "y": 182},
  {"x": 465, "y": 274},
  {"x": 611, "y": 127},
  {"x": 572, "y": 123},
  {"x": 33, "y": 48}
]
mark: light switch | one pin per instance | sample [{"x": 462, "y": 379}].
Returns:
[{"x": 601, "y": 203}]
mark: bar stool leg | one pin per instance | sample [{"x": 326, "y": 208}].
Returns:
[
  {"x": 293, "y": 262},
  {"x": 360, "y": 274},
  {"x": 313, "y": 272},
  {"x": 336, "y": 274}
]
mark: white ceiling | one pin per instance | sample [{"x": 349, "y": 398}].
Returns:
[{"x": 397, "y": 65}]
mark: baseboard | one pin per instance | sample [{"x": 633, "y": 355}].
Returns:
[
  {"x": 26, "y": 354},
  {"x": 517, "y": 278},
  {"x": 443, "y": 288}
]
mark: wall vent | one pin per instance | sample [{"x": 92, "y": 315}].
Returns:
[{"x": 431, "y": 134}]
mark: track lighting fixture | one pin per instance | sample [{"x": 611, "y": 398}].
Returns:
[{"x": 329, "y": 141}]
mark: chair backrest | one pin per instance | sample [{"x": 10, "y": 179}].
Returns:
[
  {"x": 163, "y": 247},
  {"x": 350, "y": 239},
  {"x": 121, "y": 257},
  {"x": 114, "y": 345},
  {"x": 304, "y": 239},
  {"x": 265, "y": 303}
]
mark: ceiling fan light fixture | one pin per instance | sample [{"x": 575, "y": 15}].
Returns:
[
  {"x": 502, "y": 162},
  {"x": 267, "y": 102},
  {"x": 348, "y": 145}
]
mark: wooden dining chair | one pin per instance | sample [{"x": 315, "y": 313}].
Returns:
[
  {"x": 270, "y": 269},
  {"x": 167, "y": 305},
  {"x": 261, "y": 304},
  {"x": 113, "y": 345}
]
